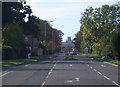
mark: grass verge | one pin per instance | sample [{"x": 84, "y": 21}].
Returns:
[
  {"x": 105, "y": 59},
  {"x": 7, "y": 63}
]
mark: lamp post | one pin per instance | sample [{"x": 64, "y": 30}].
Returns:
[{"x": 45, "y": 31}]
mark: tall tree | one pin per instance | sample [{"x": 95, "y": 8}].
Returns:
[
  {"x": 14, "y": 11},
  {"x": 12, "y": 41}
]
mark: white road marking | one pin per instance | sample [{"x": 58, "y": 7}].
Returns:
[
  {"x": 49, "y": 74},
  {"x": 69, "y": 81},
  {"x": 100, "y": 73},
  {"x": 91, "y": 67},
  {"x": 5, "y": 73},
  {"x": 115, "y": 83},
  {"x": 103, "y": 65},
  {"x": 77, "y": 79},
  {"x": 27, "y": 65},
  {"x": 94, "y": 69},
  {"x": 43, "y": 84},
  {"x": 106, "y": 77},
  {"x": 70, "y": 64}
]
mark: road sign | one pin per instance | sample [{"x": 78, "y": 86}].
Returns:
[{"x": 85, "y": 49}]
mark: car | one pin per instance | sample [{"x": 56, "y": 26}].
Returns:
[{"x": 73, "y": 52}]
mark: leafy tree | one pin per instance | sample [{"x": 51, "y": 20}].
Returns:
[
  {"x": 14, "y": 11},
  {"x": 12, "y": 41},
  {"x": 115, "y": 41},
  {"x": 97, "y": 25}
]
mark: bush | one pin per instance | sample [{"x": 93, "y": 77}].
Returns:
[
  {"x": 115, "y": 42},
  {"x": 12, "y": 41}
]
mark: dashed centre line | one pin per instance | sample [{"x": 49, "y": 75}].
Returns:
[{"x": 48, "y": 74}]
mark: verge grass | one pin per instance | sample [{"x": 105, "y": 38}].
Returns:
[
  {"x": 105, "y": 59},
  {"x": 7, "y": 63}
]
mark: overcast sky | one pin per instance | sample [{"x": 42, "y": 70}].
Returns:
[{"x": 65, "y": 14}]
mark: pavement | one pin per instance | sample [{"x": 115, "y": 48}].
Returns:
[{"x": 57, "y": 71}]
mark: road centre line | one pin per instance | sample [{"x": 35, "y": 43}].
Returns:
[
  {"x": 48, "y": 74},
  {"x": 5, "y": 73}
]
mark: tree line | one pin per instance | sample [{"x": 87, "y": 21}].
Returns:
[
  {"x": 99, "y": 31},
  {"x": 14, "y": 26}
]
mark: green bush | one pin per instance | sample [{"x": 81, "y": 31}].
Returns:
[
  {"x": 115, "y": 42},
  {"x": 12, "y": 41}
]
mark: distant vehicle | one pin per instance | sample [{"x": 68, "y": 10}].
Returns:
[
  {"x": 61, "y": 51},
  {"x": 73, "y": 52}
]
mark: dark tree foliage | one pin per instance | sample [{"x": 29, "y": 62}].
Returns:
[
  {"x": 115, "y": 42},
  {"x": 14, "y": 11}
]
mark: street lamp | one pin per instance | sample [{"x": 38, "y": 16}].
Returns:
[{"x": 45, "y": 31}]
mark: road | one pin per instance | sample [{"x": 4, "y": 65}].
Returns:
[{"x": 82, "y": 71}]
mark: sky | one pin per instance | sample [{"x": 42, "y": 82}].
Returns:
[{"x": 65, "y": 14}]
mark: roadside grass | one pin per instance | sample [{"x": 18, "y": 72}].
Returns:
[
  {"x": 7, "y": 63},
  {"x": 104, "y": 59}
]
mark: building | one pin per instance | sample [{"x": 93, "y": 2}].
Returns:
[
  {"x": 69, "y": 42},
  {"x": 32, "y": 45}
]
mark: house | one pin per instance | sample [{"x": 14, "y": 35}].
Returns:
[{"x": 32, "y": 45}]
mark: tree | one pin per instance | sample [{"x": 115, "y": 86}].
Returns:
[
  {"x": 97, "y": 25},
  {"x": 12, "y": 41},
  {"x": 115, "y": 41},
  {"x": 14, "y": 11}
]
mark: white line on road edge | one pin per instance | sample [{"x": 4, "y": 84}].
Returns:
[
  {"x": 48, "y": 74},
  {"x": 5, "y": 73}
]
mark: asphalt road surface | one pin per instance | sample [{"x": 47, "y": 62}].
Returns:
[{"x": 60, "y": 71}]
